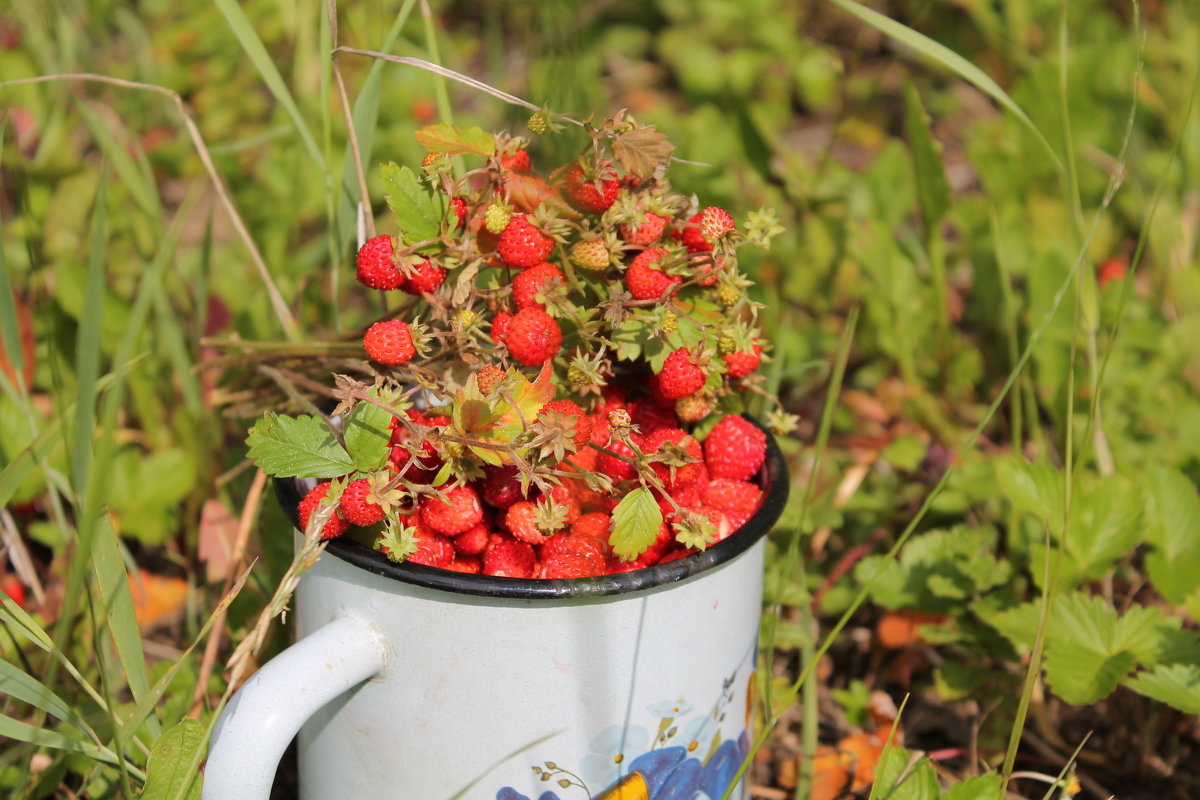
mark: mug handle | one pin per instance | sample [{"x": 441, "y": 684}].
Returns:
[{"x": 267, "y": 711}]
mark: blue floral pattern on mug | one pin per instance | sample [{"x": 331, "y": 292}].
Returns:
[{"x": 686, "y": 757}]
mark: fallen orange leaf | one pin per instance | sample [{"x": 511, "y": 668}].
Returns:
[
  {"x": 156, "y": 598},
  {"x": 897, "y": 629}
]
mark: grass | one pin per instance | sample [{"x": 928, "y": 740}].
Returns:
[{"x": 917, "y": 303}]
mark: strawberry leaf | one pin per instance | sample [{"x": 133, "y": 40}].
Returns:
[
  {"x": 367, "y": 435},
  {"x": 642, "y": 150},
  {"x": 1176, "y": 685},
  {"x": 420, "y": 216},
  {"x": 296, "y": 447},
  {"x": 445, "y": 138},
  {"x": 635, "y": 524}
]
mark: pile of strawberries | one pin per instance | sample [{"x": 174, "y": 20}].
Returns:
[{"x": 563, "y": 385}]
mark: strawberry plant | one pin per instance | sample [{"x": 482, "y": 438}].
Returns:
[{"x": 560, "y": 393}]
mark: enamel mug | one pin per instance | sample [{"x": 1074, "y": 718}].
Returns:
[{"x": 414, "y": 683}]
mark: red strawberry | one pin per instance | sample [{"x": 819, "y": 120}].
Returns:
[
  {"x": 459, "y": 515},
  {"x": 647, "y": 233},
  {"x": 500, "y": 487},
  {"x": 649, "y": 416},
  {"x": 741, "y": 364},
  {"x": 594, "y": 525},
  {"x": 425, "y": 277},
  {"x": 735, "y": 449},
  {"x": 389, "y": 342},
  {"x": 566, "y": 566},
  {"x": 522, "y": 244},
  {"x": 569, "y": 543},
  {"x": 468, "y": 565},
  {"x": 614, "y": 467},
  {"x": 500, "y": 324},
  {"x": 565, "y": 499},
  {"x": 357, "y": 508},
  {"x": 509, "y": 558},
  {"x": 684, "y": 474},
  {"x": 680, "y": 376},
  {"x": 520, "y": 522},
  {"x": 531, "y": 282},
  {"x": 579, "y": 186},
  {"x": 374, "y": 267},
  {"x": 336, "y": 525},
  {"x": 460, "y": 210},
  {"x": 644, "y": 281},
  {"x": 692, "y": 238},
  {"x": 516, "y": 161},
  {"x": 432, "y": 550},
  {"x": 488, "y": 376},
  {"x": 715, "y": 222},
  {"x": 15, "y": 590},
  {"x": 662, "y": 542},
  {"x": 473, "y": 542},
  {"x": 738, "y": 499},
  {"x": 583, "y": 422},
  {"x": 533, "y": 337}
]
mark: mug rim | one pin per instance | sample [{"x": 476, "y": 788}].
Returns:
[{"x": 773, "y": 479}]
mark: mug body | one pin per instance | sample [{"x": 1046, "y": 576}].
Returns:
[{"x": 642, "y": 695}]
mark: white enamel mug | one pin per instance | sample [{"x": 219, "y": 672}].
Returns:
[{"x": 415, "y": 683}]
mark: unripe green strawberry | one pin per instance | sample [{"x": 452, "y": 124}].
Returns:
[
  {"x": 496, "y": 218},
  {"x": 592, "y": 256},
  {"x": 669, "y": 324},
  {"x": 728, "y": 296},
  {"x": 577, "y": 376},
  {"x": 538, "y": 123},
  {"x": 465, "y": 318},
  {"x": 389, "y": 342},
  {"x": 726, "y": 344}
]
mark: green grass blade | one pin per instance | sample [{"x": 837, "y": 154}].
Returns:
[
  {"x": 20, "y": 686},
  {"x": 132, "y": 178},
  {"x": 257, "y": 52},
  {"x": 8, "y": 318},
  {"x": 87, "y": 342},
  {"x": 951, "y": 60},
  {"x": 117, "y": 600},
  {"x": 14, "y": 616},
  {"x": 24, "y": 732}
]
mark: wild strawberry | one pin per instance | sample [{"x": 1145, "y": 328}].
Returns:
[
  {"x": 721, "y": 523},
  {"x": 357, "y": 505},
  {"x": 468, "y": 565},
  {"x": 728, "y": 296},
  {"x": 432, "y": 550},
  {"x": 644, "y": 281},
  {"x": 500, "y": 324},
  {"x": 692, "y": 238},
  {"x": 488, "y": 377},
  {"x": 531, "y": 282},
  {"x": 565, "y": 500},
  {"x": 680, "y": 475},
  {"x": 580, "y": 187},
  {"x": 538, "y": 123},
  {"x": 715, "y": 222},
  {"x": 473, "y": 542},
  {"x": 662, "y": 542},
  {"x": 533, "y": 337},
  {"x": 508, "y": 558},
  {"x": 616, "y": 468},
  {"x": 374, "y": 267},
  {"x": 522, "y": 244},
  {"x": 336, "y": 525},
  {"x": 591, "y": 255},
  {"x": 692, "y": 408},
  {"x": 567, "y": 566},
  {"x": 460, "y": 210},
  {"x": 650, "y": 416},
  {"x": 516, "y": 161},
  {"x": 647, "y": 233},
  {"x": 680, "y": 376},
  {"x": 741, "y": 364},
  {"x": 424, "y": 277},
  {"x": 582, "y": 422},
  {"x": 389, "y": 342},
  {"x": 12, "y": 586},
  {"x": 563, "y": 543},
  {"x": 521, "y": 521},
  {"x": 500, "y": 487},
  {"x": 593, "y": 525},
  {"x": 496, "y": 218},
  {"x": 459, "y": 514},
  {"x": 735, "y": 449},
  {"x": 738, "y": 499},
  {"x": 1112, "y": 270}
]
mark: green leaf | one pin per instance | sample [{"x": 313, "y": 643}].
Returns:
[
  {"x": 1088, "y": 650},
  {"x": 904, "y": 775},
  {"x": 443, "y": 137},
  {"x": 933, "y": 192},
  {"x": 1173, "y": 517},
  {"x": 980, "y": 787},
  {"x": 1081, "y": 674},
  {"x": 1177, "y": 685},
  {"x": 87, "y": 342},
  {"x": 18, "y": 685},
  {"x": 24, "y": 732},
  {"x": 367, "y": 434},
  {"x": 297, "y": 447},
  {"x": 1035, "y": 487},
  {"x": 420, "y": 217},
  {"x": 169, "y": 773},
  {"x": 635, "y": 524},
  {"x": 15, "y": 617}
]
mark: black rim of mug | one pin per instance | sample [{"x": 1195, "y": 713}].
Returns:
[{"x": 773, "y": 479}]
